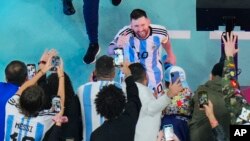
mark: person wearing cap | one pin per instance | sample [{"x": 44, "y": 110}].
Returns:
[{"x": 179, "y": 111}]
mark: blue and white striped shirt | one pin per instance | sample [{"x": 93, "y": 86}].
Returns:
[
  {"x": 19, "y": 128},
  {"x": 87, "y": 94}
]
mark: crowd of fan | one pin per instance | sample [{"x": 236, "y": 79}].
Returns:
[{"x": 46, "y": 107}]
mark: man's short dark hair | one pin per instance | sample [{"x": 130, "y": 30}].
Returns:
[
  {"x": 110, "y": 102},
  {"x": 137, "y": 13},
  {"x": 16, "y": 72},
  {"x": 138, "y": 71},
  {"x": 218, "y": 69},
  {"x": 105, "y": 66},
  {"x": 32, "y": 101}
]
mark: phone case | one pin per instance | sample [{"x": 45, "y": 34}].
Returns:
[
  {"x": 168, "y": 132},
  {"x": 31, "y": 68},
  {"x": 203, "y": 98},
  {"x": 55, "y": 62},
  {"x": 118, "y": 56},
  {"x": 174, "y": 76}
]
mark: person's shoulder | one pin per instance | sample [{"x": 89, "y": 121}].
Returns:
[
  {"x": 97, "y": 134},
  {"x": 144, "y": 91},
  {"x": 14, "y": 100},
  {"x": 126, "y": 29},
  {"x": 157, "y": 26},
  {"x": 6, "y": 85},
  {"x": 83, "y": 86},
  {"x": 158, "y": 29},
  {"x": 141, "y": 86}
]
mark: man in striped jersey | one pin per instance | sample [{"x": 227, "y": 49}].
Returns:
[
  {"x": 25, "y": 118},
  {"x": 16, "y": 74},
  {"x": 142, "y": 42},
  {"x": 105, "y": 73}
]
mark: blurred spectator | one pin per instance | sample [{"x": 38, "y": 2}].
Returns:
[
  {"x": 216, "y": 127},
  {"x": 15, "y": 74},
  {"x": 178, "y": 112},
  {"x": 120, "y": 115},
  {"x": 148, "y": 123},
  {"x": 105, "y": 73},
  {"x": 25, "y": 119}
]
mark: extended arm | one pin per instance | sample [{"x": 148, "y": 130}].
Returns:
[
  {"x": 166, "y": 44},
  {"x": 230, "y": 88},
  {"x": 33, "y": 81}
]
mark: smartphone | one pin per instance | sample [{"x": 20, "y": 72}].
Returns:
[
  {"x": 55, "y": 62},
  {"x": 203, "y": 98},
  {"x": 174, "y": 76},
  {"x": 31, "y": 68},
  {"x": 168, "y": 132},
  {"x": 56, "y": 104},
  {"x": 118, "y": 57}
]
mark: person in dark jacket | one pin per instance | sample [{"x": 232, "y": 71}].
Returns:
[{"x": 120, "y": 116}]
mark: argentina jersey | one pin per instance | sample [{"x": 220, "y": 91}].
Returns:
[
  {"x": 87, "y": 94},
  {"x": 21, "y": 128},
  {"x": 148, "y": 52}
]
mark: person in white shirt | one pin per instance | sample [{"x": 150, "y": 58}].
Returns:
[{"x": 148, "y": 124}]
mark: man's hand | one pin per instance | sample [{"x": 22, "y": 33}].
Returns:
[
  {"x": 230, "y": 49},
  {"x": 122, "y": 40}
]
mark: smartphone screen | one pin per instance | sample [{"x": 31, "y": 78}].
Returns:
[
  {"x": 168, "y": 132},
  {"x": 118, "y": 56},
  {"x": 31, "y": 68},
  {"x": 174, "y": 76},
  {"x": 55, "y": 62},
  {"x": 203, "y": 98}
]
